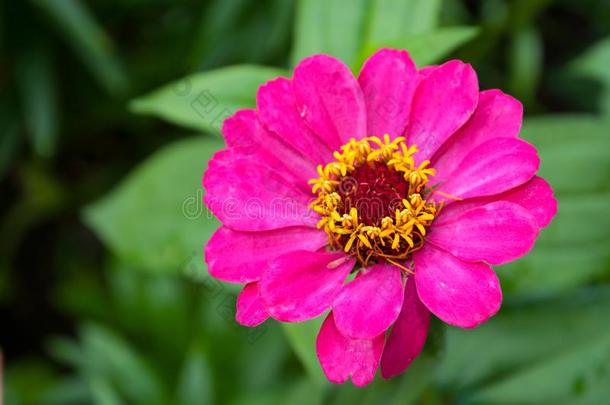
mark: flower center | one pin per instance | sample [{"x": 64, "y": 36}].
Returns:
[{"x": 372, "y": 200}]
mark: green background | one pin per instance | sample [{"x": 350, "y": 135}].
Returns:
[{"x": 109, "y": 112}]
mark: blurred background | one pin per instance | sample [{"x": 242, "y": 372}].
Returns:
[{"x": 109, "y": 111}]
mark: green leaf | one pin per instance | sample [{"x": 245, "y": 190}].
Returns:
[
  {"x": 65, "y": 351},
  {"x": 89, "y": 41},
  {"x": 430, "y": 47},
  {"x": 331, "y": 27},
  {"x": 572, "y": 250},
  {"x": 394, "y": 19},
  {"x": 203, "y": 100},
  {"x": 410, "y": 385},
  {"x": 580, "y": 220},
  {"x": 107, "y": 357},
  {"x": 109, "y": 365},
  {"x": 574, "y": 151},
  {"x": 217, "y": 25},
  {"x": 579, "y": 375},
  {"x": 70, "y": 390},
  {"x": 548, "y": 130},
  {"x": 194, "y": 384},
  {"x": 593, "y": 64},
  {"x": 155, "y": 218},
  {"x": 102, "y": 392},
  {"x": 594, "y": 61},
  {"x": 268, "y": 397},
  {"x": 227, "y": 29},
  {"x": 298, "y": 392},
  {"x": 268, "y": 349},
  {"x": 36, "y": 80},
  {"x": 556, "y": 268},
  {"x": 400, "y": 390},
  {"x": 303, "y": 391},
  {"x": 154, "y": 307},
  {"x": 302, "y": 338},
  {"x": 524, "y": 335},
  {"x": 526, "y": 64}
]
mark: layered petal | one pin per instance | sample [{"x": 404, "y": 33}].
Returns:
[
  {"x": 302, "y": 285},
  {"x": 329, "y": 99},
  {"x": 498, "y": 115},
  {"x": 388, "y": 80},
  {"x": 250, "y": 308},
  {"x": 493, "y": 167},
  {"x": 459, "y": 293},
  {"x": 370, "y": 304},
  {"x": 278, "y": 111},
  {"x": 241, "y": 257},
  {"x": 495, "y": 233},
  {"x": 245, "y": 131},
  {"x": 342, "y": 357},
  {"x": 536, "y": 196},
  {"x": 444, "y": 100},
  {"x": 247, "y": 195},
  {"x": 425, "y": 71},
  {"x": 408, "y": 335}
]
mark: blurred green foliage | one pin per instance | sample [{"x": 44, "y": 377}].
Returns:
[{"x": 109, "y": 112}]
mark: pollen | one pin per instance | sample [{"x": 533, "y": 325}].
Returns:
[{"x": 372, "y": 200}]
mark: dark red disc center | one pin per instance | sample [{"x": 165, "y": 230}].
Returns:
[{"x": 375, "y": 190}]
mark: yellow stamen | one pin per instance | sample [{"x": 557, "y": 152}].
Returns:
[{"x": 392, "y": 239}]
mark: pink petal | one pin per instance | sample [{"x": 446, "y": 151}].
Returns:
[
  {"x": 408, "y": 335},
  {"x": 425, "y": 71},
  {"x": 536, "y": 196},
  {"x": 444, "y": 100},
  {"x": 329, "y": 99},
  {"x": 498, "y": 115},
  {"x": 493, "y": 167},
  {"x": 495, "y": 233},
  {"x": 460, "y": 293},
  {"x": 247, "y": 195},
  {"x": 244, "y": 130},
  {"x": 370, "y": 304},
  {"x": 250, "y": 308},
  {"x": 388, "y": 81},
  {"x": 302, "y": 285},
  {"x": 240, "y": 257},
  {"x": 342, "y": 357},
  {"x": 278, "y": 111}
]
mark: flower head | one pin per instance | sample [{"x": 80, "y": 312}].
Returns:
[
  {"x": 370, "y": 200},
  {"x": 411, "y": 180}
]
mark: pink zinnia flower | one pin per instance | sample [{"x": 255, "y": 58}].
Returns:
[{"x": 420, "y": 184}]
